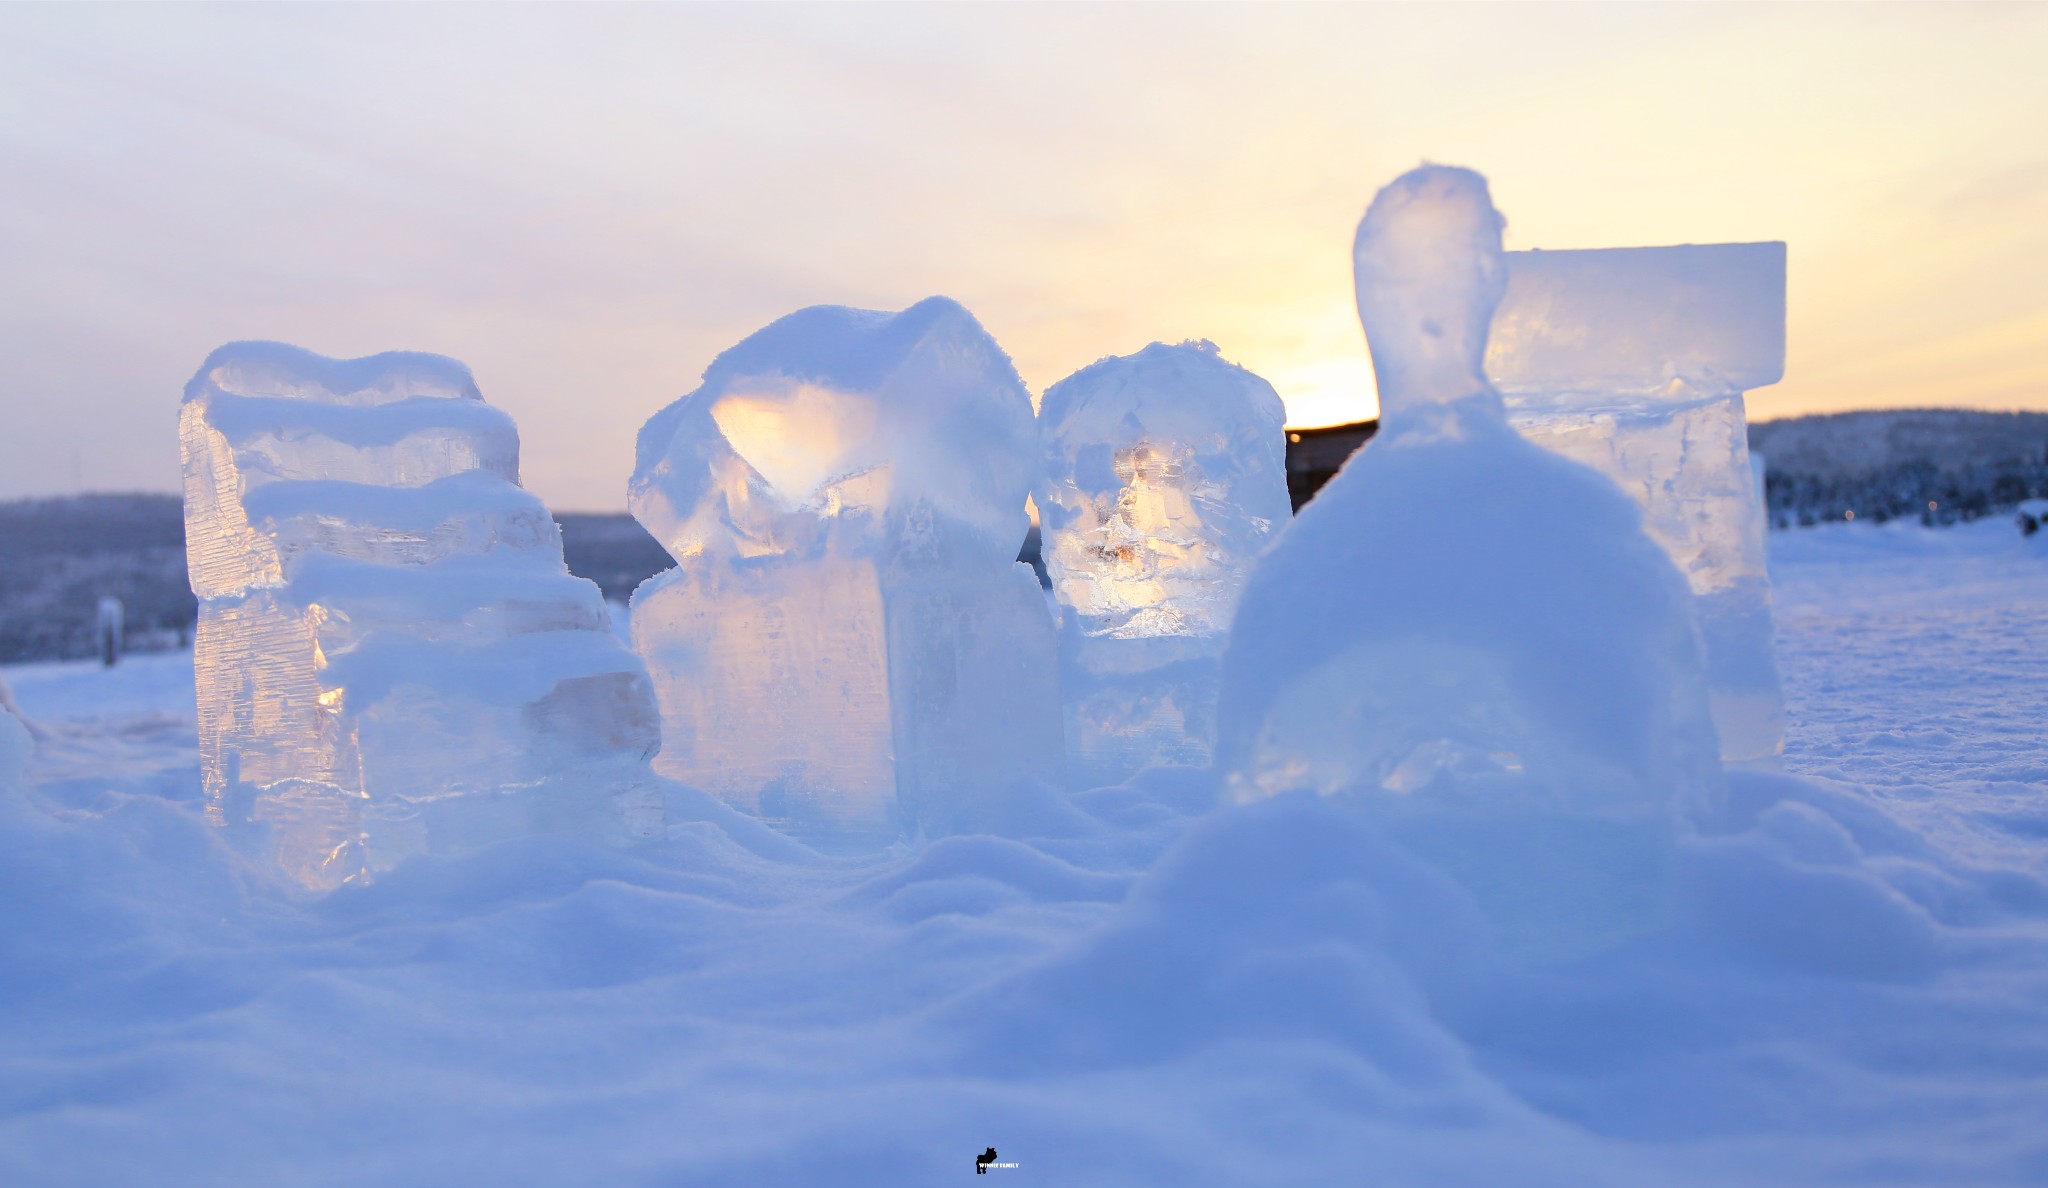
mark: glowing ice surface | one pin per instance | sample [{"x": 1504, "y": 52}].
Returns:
[
  {"x": 1164, "y": 475},
  {"x": 391, "y": 656},
  {"x": 1467, "y": 637},
  {"x": 1634, "y": 361},
  {"x": 847, "y": 646}
]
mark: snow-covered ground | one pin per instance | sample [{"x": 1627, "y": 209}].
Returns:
[{"x": 1122, "y": 987}]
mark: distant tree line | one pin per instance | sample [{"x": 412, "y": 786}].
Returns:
[
  {"x": 59, "y": 557},
  {"x": 1917, "y": 490},
  {"x": 1939, "y": 467}
]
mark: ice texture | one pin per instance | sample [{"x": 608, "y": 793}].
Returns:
[
  {"x": 391, "y": 657},
  {"x": 1634, "y": 361},
  {"x": 847, "y": 646},
  {"x": 1163, "y": 476},
  {"x": 1469, "y": 638}
]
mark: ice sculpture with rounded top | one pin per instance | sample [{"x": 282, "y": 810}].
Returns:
[
  {"x": 847, "y": 646},
  {"x": 1472, "y": 639},
  {"x": 1163, "y": 476},
  {"x": 391, "y": 657}
]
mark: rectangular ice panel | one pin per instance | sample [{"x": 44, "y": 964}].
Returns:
[{"x": 1629, "y": 321}]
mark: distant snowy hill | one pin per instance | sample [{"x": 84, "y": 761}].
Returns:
[
  {"x": 1883, "y": 465},
  {"x": 59, "y": 557}
]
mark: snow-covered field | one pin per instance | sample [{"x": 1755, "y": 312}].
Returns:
[{"x": 1124, "y": 987}]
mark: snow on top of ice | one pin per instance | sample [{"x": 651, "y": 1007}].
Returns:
[
  {"x": 245, "y": 419},
  {"x": 1496, "y": 547},
  {"x": 477, "y": 595},
  {"x": 276, "y": 369},
  {"x": 833, "y": 412},
  {"x": 467, "y": 494},
  {"x": 855, "y": 349},
  {"x": 512, "y": 670},
  {"x": 1168, "y": 391}
]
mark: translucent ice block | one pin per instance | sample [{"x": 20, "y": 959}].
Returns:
[
  {"x": 1164, "y": 475},
  {"x": 847, "y": 646},
  {"x": 1634, "y": 361},
  {"x": 1684, "y": 321},
  {"x": 391, "y": 657}
]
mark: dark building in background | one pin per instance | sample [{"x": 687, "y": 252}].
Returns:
[{"x": 1315, "y": 455}]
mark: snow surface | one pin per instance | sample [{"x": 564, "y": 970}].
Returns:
[{"x": 1119, "y": 987}]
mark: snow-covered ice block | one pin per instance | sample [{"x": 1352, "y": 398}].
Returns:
[
  {"x": 847, "y": 643},
  {"x": 1164, "y": 475},
  {"x": 391, "y": 657},
  {"x": 1469, "y": 638},
  {"x": 1634, "y": 361}
]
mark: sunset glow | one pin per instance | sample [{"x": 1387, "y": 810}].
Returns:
[{"x": 584, "y": 203}]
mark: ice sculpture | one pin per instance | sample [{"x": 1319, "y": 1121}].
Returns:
[
  {"x": 1634, "y": 361},
  {"x": 1468, "y": 637},
  {"x": 1164, "y": 474},
  {"x": 847, "y": 646},
  {"x": 391, "y": 657}
]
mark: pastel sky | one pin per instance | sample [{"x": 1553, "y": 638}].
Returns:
[{"x": 585, "y": 204}]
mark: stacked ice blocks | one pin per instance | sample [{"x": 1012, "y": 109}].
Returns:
[
  {"x": 1634, "y": 361},
  {"x": 391, "y": 657},
  {"x": 847, "y": 646},
  {"x": 1164, "y": 474}
]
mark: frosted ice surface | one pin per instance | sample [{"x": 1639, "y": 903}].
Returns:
[
  {"x": 1634, "y": 361},
  {"x": 389, "y": 646},
  {"x": 847, "y": 645},
  {"x": 1643, "y": 323},
  {"x": 1471, "y": 639},
  {"x": 1164, "y": 475}
]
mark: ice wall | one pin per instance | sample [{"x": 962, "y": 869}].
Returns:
[
  {"x": 1467, "y": 637},
  {"x": 1634, "y": 361},
  {"x": 847, "y": 646},
  {"x": 391, "y": 657},
  {"x": 1163, "y": 476}
]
